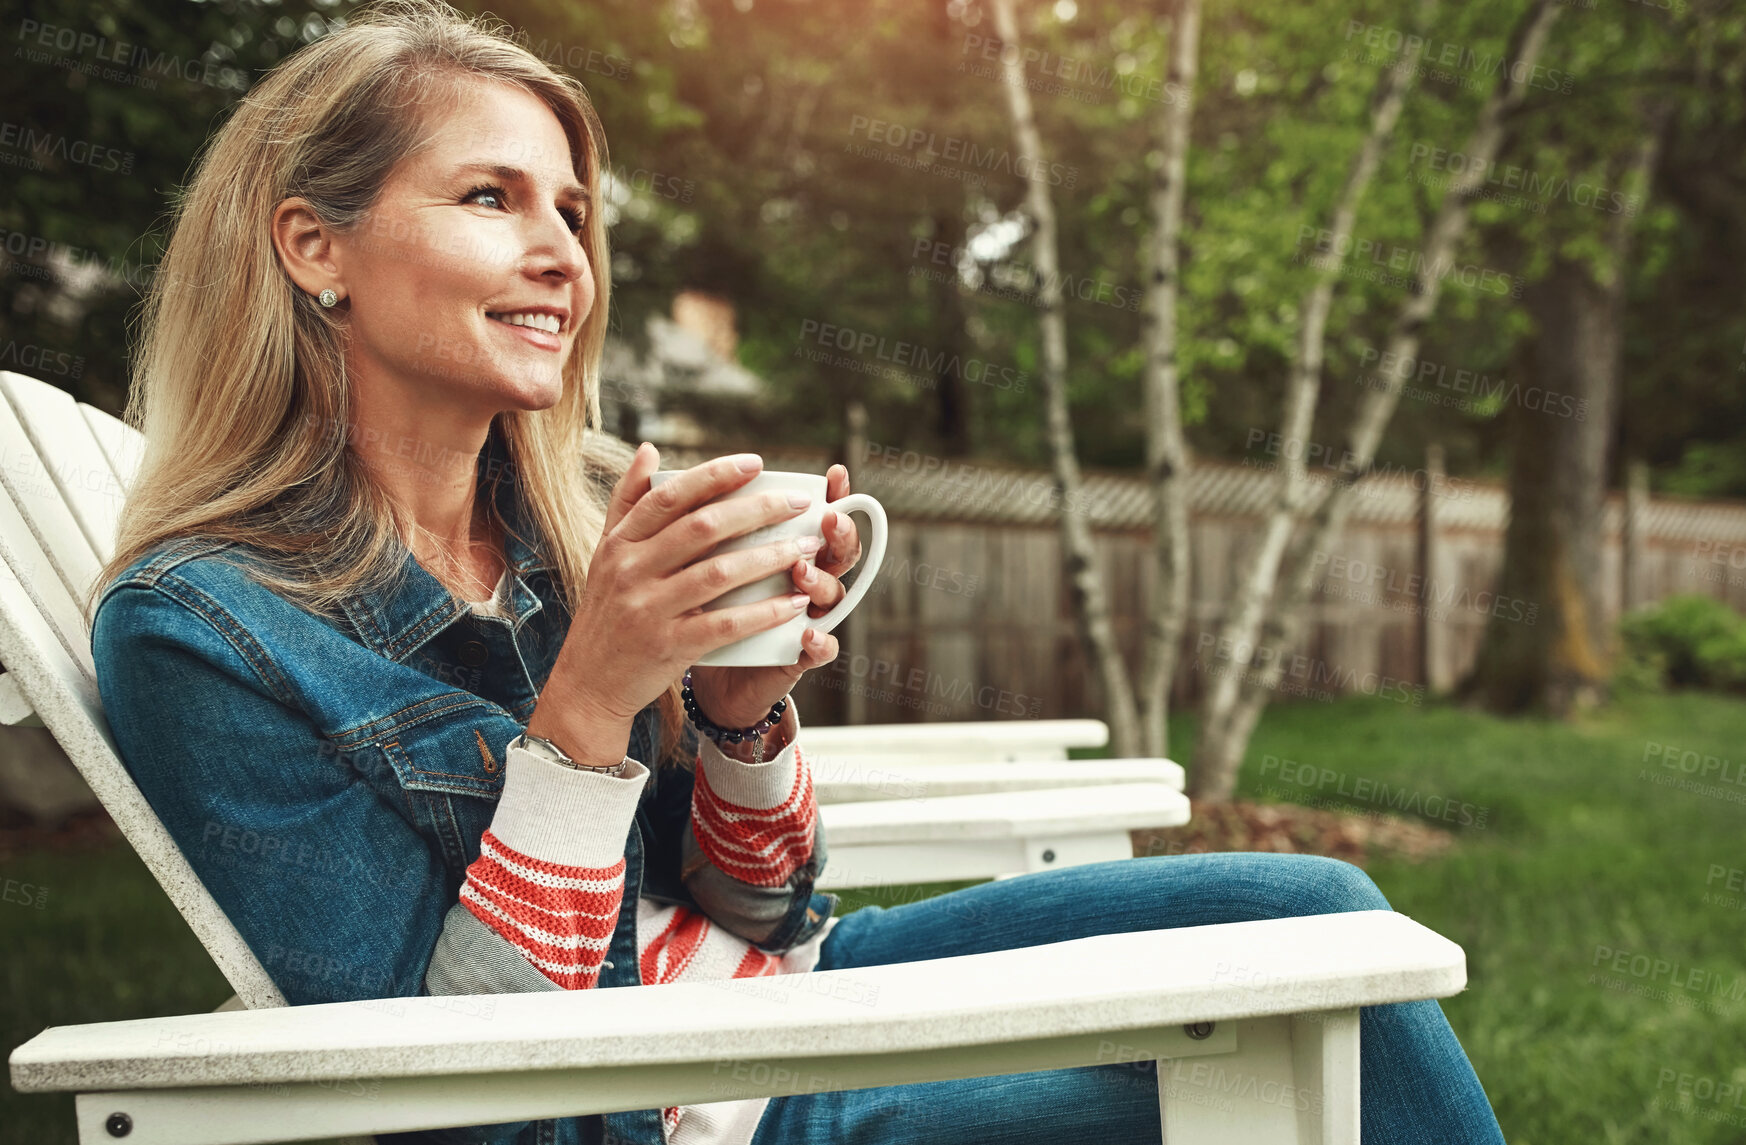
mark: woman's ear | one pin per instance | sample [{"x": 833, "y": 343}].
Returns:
[{"x": 305, "y": 248}]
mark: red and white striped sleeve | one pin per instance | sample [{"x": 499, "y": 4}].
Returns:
[
  {"x": 550, "y": 874},
  {"x": 755, "y": 822}
]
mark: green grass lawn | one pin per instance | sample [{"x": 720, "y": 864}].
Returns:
[{"x": 1577, "y": 856}]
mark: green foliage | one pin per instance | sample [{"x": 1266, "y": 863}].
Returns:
[
  {"x": 761, "y": 114},
  {"x": 1691, "y": 640}
]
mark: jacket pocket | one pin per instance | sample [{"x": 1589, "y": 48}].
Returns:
[{"x": 448, "y": 763}]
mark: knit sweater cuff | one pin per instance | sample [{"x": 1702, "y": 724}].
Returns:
[
  {"x": 550, "y": 873},
  {"x": 561, "y": 815},
  {"x": 761, "y": 828},
  {"x": 758, "y": 786}
]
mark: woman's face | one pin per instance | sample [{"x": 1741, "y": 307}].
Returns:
[{"x": 480, "y": 230}]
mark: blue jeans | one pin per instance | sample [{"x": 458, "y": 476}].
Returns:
[{"x": 1416, "y": 1084}]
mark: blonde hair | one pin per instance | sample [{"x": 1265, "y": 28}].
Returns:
[{"x": 239, "y": 382}]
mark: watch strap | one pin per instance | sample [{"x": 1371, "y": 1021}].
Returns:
[{"x": 546, "y": 749}]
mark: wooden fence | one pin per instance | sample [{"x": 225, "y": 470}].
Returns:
[{"x": 970, "y": 618}]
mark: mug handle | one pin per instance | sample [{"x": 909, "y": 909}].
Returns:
[{"x": 871, "y": 559}]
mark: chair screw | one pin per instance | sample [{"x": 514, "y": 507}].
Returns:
[
  {"x": 1199, "y": 1031},
  {"x": 118, "y": 1125},
  {"x": 1049, "y": 855}
]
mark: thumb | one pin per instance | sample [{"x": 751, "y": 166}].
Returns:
[{"x": 632, "y": 485}]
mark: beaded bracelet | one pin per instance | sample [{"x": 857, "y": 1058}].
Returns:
[{"x": 718, "y": 734}]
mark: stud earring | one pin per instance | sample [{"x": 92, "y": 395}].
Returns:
[{"x": 328, "y": 297}]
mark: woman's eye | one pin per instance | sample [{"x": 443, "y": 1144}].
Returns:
[
  {"x": 574, "y": 217},
  {"x": 494, "y": 192}
]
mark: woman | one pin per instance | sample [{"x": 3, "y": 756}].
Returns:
[{"x": 395, "y": 650}]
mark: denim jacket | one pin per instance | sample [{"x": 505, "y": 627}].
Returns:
[{"x": 330, "y": 781}]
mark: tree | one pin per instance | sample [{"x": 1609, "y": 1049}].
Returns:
[
  {"x": 1559, "y": 472},
  {"x": 1079, "y": 553},
  {"x": 1234, "y": 705},
  {"x": 1167, "y": 457}
]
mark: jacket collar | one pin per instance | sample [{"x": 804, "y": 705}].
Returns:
[{"x": 395, "y": 622}]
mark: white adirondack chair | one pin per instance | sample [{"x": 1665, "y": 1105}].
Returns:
[
  {"x": 71, "y": 465},
  {"x": 1254, "y": 1026},
  {"x": 982, "y": 739},
  {"x": 1275, "y": 1001}
]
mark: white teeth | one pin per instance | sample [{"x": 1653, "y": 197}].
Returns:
[{"x": 547, "y": 322}]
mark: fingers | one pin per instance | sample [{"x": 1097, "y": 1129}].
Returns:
[
  {"x": 665, "y": 503},
  {"x": 842, "y": 546},
  {"x": 836, "y": 482},
  {"x": 823, "y": 589},
  {"x": 700, "y": 531},
  {"x": 816, "y": 650},
  {"x": 632, "y": 485},
  {"x": 706, "y": 580},
  {"x": 707, "y": 631}
]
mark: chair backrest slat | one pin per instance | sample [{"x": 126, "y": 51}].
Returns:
[
  {"x": 45, "y": 648},
  {"x": 122, "y": 444},
  {"x": 40, "y": 578},
  {"x": 73, "y": 457},
  {"x": 33, "y": 489}
]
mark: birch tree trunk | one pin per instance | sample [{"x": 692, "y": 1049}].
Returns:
[
  {"x": 1284, "y": 626},
  {"x": 1084, "y": 570},
  {"x": 1213, "y": 773},
  {"x": 1167, "y": 461}
]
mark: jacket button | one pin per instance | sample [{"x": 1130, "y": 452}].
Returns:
[{"x": 474, "y": 653}]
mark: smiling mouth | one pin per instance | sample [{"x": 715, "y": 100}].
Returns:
[{"x": 548, "y": 323}]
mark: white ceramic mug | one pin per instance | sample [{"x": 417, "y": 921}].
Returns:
[{"x": 781, "y": 645}]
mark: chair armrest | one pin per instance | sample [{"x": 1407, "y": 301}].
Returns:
[
  {"x": 1113, "y": 983},
  {"x": 1005, "y": 815},
  {"x": 851, "y": 779},
  {"x": 1006, "y": 739}
]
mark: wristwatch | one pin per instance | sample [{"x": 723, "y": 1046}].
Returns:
[{"x": 546, "y": 749}]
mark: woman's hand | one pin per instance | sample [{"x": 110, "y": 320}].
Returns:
[
  {"x": 640, "y": 622},
  {"x": 740, "y": 697}
]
